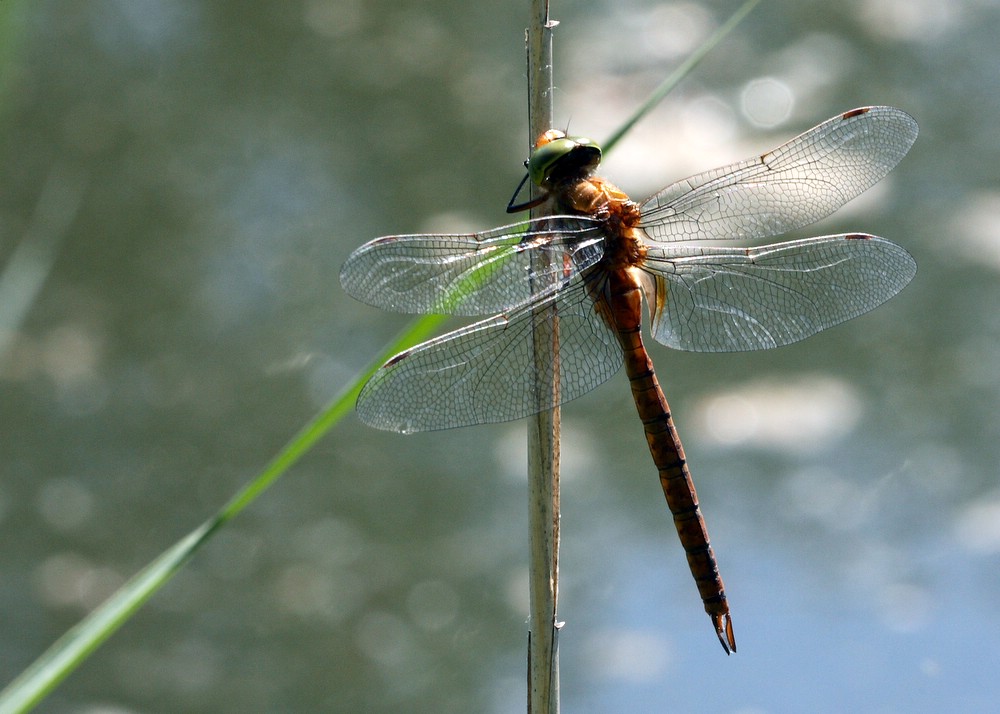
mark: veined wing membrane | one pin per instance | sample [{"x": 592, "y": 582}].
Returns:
[
  {"x": 484, "y": 373},
  {"x": 712, "y": 299},
  {"x": 792, "y": 186},
  {"x": 472, "y": 273}
]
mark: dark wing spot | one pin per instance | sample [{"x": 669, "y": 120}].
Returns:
[
  {"x": 393, "y": 360},
  {"x": 855, "y": 113}
]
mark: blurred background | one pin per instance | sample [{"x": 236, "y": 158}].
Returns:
[{"x": 181, "y": 181}]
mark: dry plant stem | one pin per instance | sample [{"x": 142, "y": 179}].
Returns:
[{"x": 543, "y": 429}]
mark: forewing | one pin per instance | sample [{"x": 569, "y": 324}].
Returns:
[
  {"x": 792, "y": 186},
  {"x": 472, "y": 273},
  {"x": 484, "y": 373},
  {"x": 726, "y": 299}
]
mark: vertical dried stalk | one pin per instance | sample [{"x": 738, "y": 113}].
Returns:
[{"x": 543, "y": 429}]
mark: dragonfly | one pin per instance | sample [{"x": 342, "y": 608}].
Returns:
[{"x": 595, "y": 256}]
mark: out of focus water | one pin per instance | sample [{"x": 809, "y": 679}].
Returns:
[{"x": 196, "y": 172}]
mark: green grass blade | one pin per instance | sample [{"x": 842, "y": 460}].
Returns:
[
  {"x": 680, "y": 73},
  {"x": 70, "y": 650},
  {"x": 56, "y": 663},
  {"x": 29, "y": 266}
]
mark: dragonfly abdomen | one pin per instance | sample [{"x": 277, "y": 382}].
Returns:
[{"x": 625, "y": 302}]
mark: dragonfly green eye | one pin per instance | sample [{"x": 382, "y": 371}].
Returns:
[{"x": 564, "y": 155}]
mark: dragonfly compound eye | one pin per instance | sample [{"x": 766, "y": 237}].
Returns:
[{"x": 563, "y": 157}]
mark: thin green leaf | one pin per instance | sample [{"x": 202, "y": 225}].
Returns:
[
  {"x": 680, "y": 73},
  {"x": 70, "y": 650}
]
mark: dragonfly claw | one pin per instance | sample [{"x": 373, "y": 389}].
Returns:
[{"x": 724, "y": 629}]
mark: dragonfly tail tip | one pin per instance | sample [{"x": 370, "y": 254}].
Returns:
[{"x": 724, "y": 629}]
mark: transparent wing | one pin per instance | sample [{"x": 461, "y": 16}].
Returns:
[
  {"x": 483, "y": 373},
  {"x": 796, "y": 184},
  {"x": 733, "y": 299},
  {"x": 472, "y": 273}
]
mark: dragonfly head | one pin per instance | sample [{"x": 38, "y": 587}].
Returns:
[{"x": 557, "y": 156}]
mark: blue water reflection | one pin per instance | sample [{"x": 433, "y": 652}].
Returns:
[{"x": 228, "y": 156}]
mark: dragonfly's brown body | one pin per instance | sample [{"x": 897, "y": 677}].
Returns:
[
  {"x": 616, "y": 286},
  {"x": 592, "y": 258}
]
